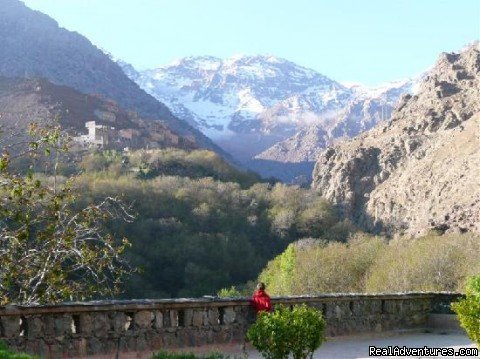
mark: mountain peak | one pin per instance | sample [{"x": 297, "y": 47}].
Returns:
[
  {"x": 195, "y": 61},
  {"x": 249, "y": 103}
]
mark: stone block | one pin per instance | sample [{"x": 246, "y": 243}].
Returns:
[
  {"x": 244, "y": 315},
  {"x": 94, "y": 346},
  {"x": 187, "y": 317},
  {"x": 229, "y": 315},
  {"x": 173, "y": 318},
  {"x": 372, "y": 307},
  {"x": 185, "y": 337},
  {"x": 144, "y": 319},
  {"x": 130, "y": 344},
  {"x": 222, "y": 336},
  {"x": 109, "y": 345},
  {"x": 101, "y": 325},
  {"x": 32, "y": 346},
  {"x": 342, "y": 310},
  {"x": 35, "y": 327},
  {"x": 78, "y": 347},
  {"x": 418, "y": 319},
  {"x": 158, "y": 323},
  {"x": 330, "y": 310},
  {"x": 141, "y": 343},
  {"x": 390, "y": 306},
  {"x": 213, "y": 316},
  {"x": 169, "y": 340},
  {"x": 154, "y": 340},
  {"x": 62, "y": 325},
  {"x": 48, "y": 326},
  {"x": 199, "y": 318},
  {"x": 119, "y": 322},
  {"x": 55, "y": 351},
  {"x": 10, "y": 326},
  {"x": 86, "y": 324}
]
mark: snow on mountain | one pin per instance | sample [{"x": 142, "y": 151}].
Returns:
[
  {"x": 368, "y": 107},
  {"x": 247, "y": 104}
]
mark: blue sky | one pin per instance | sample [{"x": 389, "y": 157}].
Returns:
[{"x": 366, "y": 41}]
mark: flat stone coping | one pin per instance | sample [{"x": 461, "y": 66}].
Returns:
[{"x": 206, "y": 301}]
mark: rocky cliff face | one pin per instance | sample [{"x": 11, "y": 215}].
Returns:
[
  {"x": 304, "y": 146},
  {"x": 365, "y": 109},
  {"x": 420, "y": 170}
]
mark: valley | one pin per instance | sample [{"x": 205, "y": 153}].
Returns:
[{"x": 241, "y": 168}]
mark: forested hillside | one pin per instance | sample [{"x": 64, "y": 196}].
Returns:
[{"x": 200, "y": 224}]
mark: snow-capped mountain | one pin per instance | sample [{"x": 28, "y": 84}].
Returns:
[
  {"x": 249, "y": 104},
  {"x": 244, "y": 96}
]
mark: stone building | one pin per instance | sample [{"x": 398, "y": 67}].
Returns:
[{"x": 98, "y": 135}]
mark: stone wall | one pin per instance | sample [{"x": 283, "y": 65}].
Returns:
[{"x": 108, "y": 327}]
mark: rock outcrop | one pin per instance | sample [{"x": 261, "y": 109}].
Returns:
[
  {"x": 304, "y": 146},
  {"x": 420, "y": 171}
]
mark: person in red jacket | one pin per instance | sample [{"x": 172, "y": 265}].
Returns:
[{"x": 261, "y": 300}]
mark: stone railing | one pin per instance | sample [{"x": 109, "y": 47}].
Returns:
[{"x": 109, "y": 327}]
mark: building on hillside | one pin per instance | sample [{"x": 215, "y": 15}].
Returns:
[
  {"x": 98, "y": 135},
  {"x": 129, "y": 137}
]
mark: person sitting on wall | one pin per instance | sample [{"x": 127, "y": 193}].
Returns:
[{"x": 261, "y": 300}]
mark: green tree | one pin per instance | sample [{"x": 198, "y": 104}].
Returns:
[
  {"x": 468, "y": 309},
  {"x": 51, "y": 250}
]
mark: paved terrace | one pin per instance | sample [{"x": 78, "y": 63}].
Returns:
[{"x": 343, "y": 347}]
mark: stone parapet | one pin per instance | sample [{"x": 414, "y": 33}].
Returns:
[{"x": 103, "y": 327}]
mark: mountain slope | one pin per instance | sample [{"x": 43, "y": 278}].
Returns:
[
  {"x": 23, "y": 101},
  {"x": 365, "y": 110},
  {"x": 304, "y": 146},
  {"x": 33, "y": 45},
  {"x": 420, "y": 170}
]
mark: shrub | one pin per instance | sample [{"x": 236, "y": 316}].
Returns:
[
  {"x": 428, "y": 263},
  {"x": 231, "y": 292},
  {"x": 468, "y": 309},
  {"x": 5, "y": 353},
  {"x": 284, "y": 332}
]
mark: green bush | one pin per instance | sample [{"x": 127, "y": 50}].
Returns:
[
  {"x": 468, "y": 310},
  {"x": 5, "y": 353},
  {"x": 298, "y": 332},
  {"x": 231, "y": 292}
]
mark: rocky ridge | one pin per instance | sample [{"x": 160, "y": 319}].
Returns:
[{"x": 420, "y": 170}]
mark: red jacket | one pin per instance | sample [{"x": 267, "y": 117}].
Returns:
[{"x": 261, "y": 301}]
